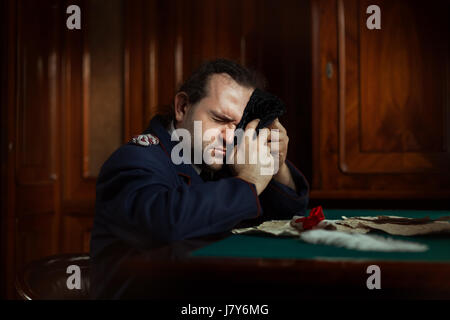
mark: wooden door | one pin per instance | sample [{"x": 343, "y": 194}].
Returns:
[{"x": 36, "y": 143}]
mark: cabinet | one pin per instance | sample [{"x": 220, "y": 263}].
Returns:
[{"x": 381, "y": 116}]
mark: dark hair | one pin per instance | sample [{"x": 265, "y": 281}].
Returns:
[{"x": 196, "y": 85}]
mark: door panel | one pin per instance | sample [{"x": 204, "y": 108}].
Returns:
[
  {"x": 380, "y": 100},
  {"x": 393, "y": 104}
]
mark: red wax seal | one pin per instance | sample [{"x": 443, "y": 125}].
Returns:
[{"x": 315, "y": 216}]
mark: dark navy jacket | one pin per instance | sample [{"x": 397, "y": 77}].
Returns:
[{"x": 143, "y": 198}]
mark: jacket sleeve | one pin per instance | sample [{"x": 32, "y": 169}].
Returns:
[
  {"x": 143, "y": 203},
  {"x": 281, "y": 202}
]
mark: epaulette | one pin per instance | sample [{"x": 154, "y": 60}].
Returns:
[{"x": 144, "y": 140}]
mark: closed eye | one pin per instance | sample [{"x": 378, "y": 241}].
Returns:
[{"x": 221, "y": 119}]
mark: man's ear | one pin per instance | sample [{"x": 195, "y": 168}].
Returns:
[{"x": 181, "y": 106}]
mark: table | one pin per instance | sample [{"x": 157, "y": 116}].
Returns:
[{"x": 249, "y": 268}]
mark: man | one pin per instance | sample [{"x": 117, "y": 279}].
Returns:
[{"x": 144, "y": 198}]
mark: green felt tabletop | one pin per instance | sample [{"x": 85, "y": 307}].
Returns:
[{"x": 261, "y": 246}]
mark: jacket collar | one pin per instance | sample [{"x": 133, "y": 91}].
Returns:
[{"x": 158, "y": 127}]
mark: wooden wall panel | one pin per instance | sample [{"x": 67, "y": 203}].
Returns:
[
  {"x": 284, "y": 55},
  {"x": 35, "y": 199},
  {"x": 103, "y": 83},
  {"x": 38, "y": 90},
  {"x": 78, "y": 190},
  {"x": 8, "y": 14},
  {"x": 325, "y": 96},
  {"x": 174, "y": 44},
  {"x": 394, "y": 89},
  {"x": 95, "y": 121},
  {"x": 229, "y": 32},
  {"x": 37, "y": 110},
  {"x": 164, "y": 43},
  {"x": 404, "y": 77},
  {"x": 76, "y": 233},
  {"x": 342, "y": 110},
  {"x": 133, "y": 68},
  {"x": 36, "y": 237}
]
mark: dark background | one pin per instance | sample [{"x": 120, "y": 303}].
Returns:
[{"x": 373, "y": 132}]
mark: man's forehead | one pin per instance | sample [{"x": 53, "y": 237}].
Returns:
[
  {"x": 231, "y": 97},
  {"x": 229, "y": 112}
]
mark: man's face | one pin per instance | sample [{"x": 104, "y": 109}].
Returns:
[{"x": 221, "y": 109}]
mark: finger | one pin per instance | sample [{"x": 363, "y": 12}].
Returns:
[
  {"x": 264, "y": 133},
  {"x": 265, "y": 151},
  {"x": 279, "y": 134},
  {"x": 252, "y": 124},
  {"x": 274, "y": 147},
  {"x": 276, "y": 135},
  {"x": 276, "y": 124},
  {"x": 280, "y": 127},
  {"x": 267, "y": 161}
]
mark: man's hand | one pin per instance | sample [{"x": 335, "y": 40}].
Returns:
[
  {"x": 252, "y": 172},
  {"x": 284, "y": 174}
]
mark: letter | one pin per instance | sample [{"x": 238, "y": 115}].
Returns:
[
  {"x": 252, "y": 153},
  {"x": 192, "y": 310},
  {"x": 208, "y": 158},
  {"x": 265, "y": 309},
  {"x": 198, "y": 139},
  {"x": 184, "y": 146},
  {"x": 74, "y": 281},
  {"x": 211, "y": 310},
  {"x": 74, "y": 20},
  {"x": 245, "y": 309},
  {"x": 184, "y": 310},
  {"x": 373, "y": 21},
  {"x": 254, "y": 309},
  {"x": 374, "y": 281},
  {"x": 226, "y": 310},
  {"x": 264, "y": 158},
  {"x": 231, "y": 147},
  {"x": 229, "y": 309},
  {"x": 268, "y": 164},
  {"x": 275, "y": 149}
]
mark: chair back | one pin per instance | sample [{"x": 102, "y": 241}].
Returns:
[{"x": 47, "y": 278}]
